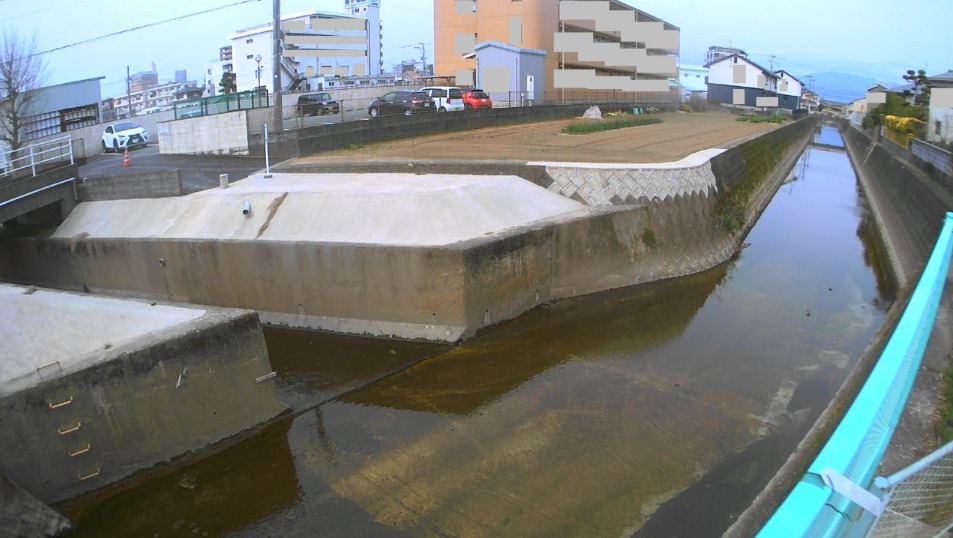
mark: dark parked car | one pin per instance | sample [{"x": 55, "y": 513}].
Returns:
[
  {"x": 476, "y": 99},
  {"x": 319, "y": 103},
  {"x": 406, "y": 102}
]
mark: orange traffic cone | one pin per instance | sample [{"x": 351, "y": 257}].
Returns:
[{"x": 126, "y": 161}]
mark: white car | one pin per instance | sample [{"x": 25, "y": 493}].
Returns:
[
  {"x": 122, "y": 135},
  {"x": 446, "y": 98}
]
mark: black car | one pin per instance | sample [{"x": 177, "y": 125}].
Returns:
[
  {"x": 319, "y": 103},
  {"x": 406, "y": 102}
]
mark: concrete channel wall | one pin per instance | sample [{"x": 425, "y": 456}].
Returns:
[
  {"x": 909, "y": 207},
  {"x": 441, "y": 293},
  {"x": 69, "y": 432}
]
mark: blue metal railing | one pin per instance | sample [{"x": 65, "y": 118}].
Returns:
[{"x": 854, "y": 450}]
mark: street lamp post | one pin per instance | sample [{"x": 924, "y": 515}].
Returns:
[{"x": 258, "y": 71}]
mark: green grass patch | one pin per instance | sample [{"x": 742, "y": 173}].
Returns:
[
  {"x": 776, "y": 117},
  {"x": 594, "y": 126},
  {"x": 353, "y": 147},
  {"x": 648, "y": 238}
]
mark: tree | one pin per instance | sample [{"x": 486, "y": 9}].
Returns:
[
  {"x": 921, "y": 87},
  {"x": 22, "y": 72},
  {"x": 227, "y": 84}
]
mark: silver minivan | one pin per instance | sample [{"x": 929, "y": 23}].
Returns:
[{"x": 446, "y": 98}]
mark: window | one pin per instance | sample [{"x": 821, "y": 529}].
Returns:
[
  {"x": 936, "y": 127},
  {"x": 249, "y": 40},
  {"x": 250, "y": 57}
]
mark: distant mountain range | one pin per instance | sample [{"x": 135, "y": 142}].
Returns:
[{"x": 840, "y": 87}]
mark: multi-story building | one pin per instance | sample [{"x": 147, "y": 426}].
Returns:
[
  {"x": 692, "y": 79},
  {"x": 156, "y": 97},
  {"x": 587, "y": 44},
  {"x": 790, "y": 89},
  {"x": 315, "y": 44},
  {"x": 143, "y": 81},
  {"x": 716, "y": 53},
  {"x": 213, "y": 76},
  {"x": 736, "y": 80}
]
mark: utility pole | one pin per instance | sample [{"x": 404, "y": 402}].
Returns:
[
  {"x": 423, "y": 58},
  {"x": 128, "y": 94},
  {"x": 276, "y": 32}
]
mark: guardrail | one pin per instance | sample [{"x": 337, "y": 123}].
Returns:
[
  {"x": 32, "y": 156},
  {"x": 832, "y": 499}
]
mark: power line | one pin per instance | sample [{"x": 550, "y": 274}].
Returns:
[{"x": 140, "y": 27}]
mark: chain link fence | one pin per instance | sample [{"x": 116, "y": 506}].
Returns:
[{"x": 919, "y": 499}]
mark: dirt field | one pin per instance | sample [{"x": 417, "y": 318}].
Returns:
[{"x": 679, "y": 135}]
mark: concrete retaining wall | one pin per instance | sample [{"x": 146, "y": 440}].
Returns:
[
  {"x": 910, "y": 208},
  {"x": 435, "y": 293},
  {"x": 76, "y": 431},
  {"x": 61, "y": 198},
  {"x": 217, "y": 134},
  {"x": 933, "y": 159},
  {"x": 142, "y": 185}
]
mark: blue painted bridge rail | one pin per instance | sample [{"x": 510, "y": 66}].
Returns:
[{"x": 854, "y": 450}]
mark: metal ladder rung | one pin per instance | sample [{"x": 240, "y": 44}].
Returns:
[
  {"x": 71, "y": 429},
  {"x": 64, "y": 403},
  {"x": 80, "y": 451}
]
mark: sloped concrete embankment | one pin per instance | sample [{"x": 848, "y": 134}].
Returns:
[
  {"x": 643, "y": 224},
  {"x": 67, "y": 432},
  {"x": 910, "y": 209}
]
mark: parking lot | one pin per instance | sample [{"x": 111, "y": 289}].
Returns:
[{"x": 199, "y": 172}]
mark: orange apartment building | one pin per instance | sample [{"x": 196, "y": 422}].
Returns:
[{"x": 588, "y": 45}]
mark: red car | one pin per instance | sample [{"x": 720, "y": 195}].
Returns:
[{"x": 476, "y": 99}]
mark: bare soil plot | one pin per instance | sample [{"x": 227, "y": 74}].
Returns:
[{"x": 680, "y": 134}]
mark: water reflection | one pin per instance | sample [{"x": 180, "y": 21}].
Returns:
[
  {"x": 598, "y": 415},
  {"x": 235, "y": 488}
]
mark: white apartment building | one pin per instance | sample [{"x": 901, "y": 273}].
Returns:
[
  {"x": 316, "y": 45},
  {"x": 156, "y": 97}
]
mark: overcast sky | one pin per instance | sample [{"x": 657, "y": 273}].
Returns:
[{"x": 879, "y": 39}]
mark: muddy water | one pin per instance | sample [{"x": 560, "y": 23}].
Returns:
[{"x": 664, "y": 407}]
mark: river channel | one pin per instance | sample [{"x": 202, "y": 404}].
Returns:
[{"x": 656, "y": 410}]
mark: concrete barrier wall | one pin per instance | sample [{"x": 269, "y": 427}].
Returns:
[
  {"x": 159, "y": 184},
  {"x": 377, "y": 290},
  {"x": 217, "y": 134},
  {"x": 141, "y": 406}
]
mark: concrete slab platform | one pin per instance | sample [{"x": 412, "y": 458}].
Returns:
[
  {"x": 44, "y": 328},
  {"x": 93, "y": 389},
  {"x": 380, "y": 209}
]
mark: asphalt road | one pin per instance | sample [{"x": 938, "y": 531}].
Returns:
[{"x": 199, "y": 172}]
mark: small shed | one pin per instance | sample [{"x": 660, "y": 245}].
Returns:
[{"x": 510, "y": 74}]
